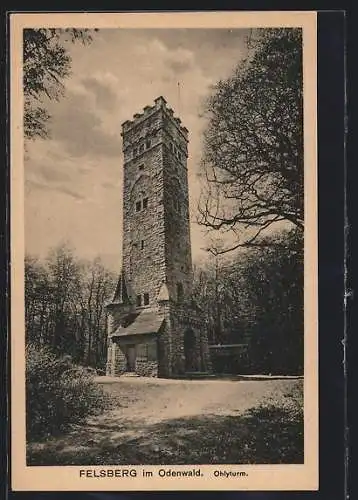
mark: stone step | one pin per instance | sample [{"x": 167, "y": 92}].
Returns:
[{"x": 197, "y": 374}]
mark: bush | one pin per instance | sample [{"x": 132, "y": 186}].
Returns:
[{"x": 58, "y": 393}]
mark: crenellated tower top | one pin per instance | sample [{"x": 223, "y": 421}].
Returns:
[{"x": 148, "y": 111}]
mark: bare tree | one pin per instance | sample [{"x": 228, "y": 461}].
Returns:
[
  {"x": 98, "y": 284},
  {"x": 37, "y": 300},
  {"x": 65, "y": 304},
  {"x": 65, "y": 275},
  {"x": 104, "y": 285},
  {"x": 252, "y": 166}
]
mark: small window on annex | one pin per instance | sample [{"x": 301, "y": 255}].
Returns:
[
  {"x": 139, "y": 300},
  {"x": 142, "y": 351},
  {"x": 152, "y": 354},
  {"x": 146, "y": 299}
]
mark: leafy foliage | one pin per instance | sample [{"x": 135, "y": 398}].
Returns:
[
  {"x": 274, "y": 282},
  {"x": 58, "y": 393},
  {"x": 253, "y": 156},
  {"x": 256, "y": 298},
  {"x": 46, "y": 63}
]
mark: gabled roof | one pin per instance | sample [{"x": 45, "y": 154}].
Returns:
[
  {"x": 146, "y": 322},
  {"x": 163, "y": 295},
  {"x": 121, "y": 293}
]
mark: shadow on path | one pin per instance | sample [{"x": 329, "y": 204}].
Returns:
[{"x": 265, "y": 435}]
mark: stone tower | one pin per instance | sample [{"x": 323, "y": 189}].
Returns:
[{"x": 154, "y": 326}]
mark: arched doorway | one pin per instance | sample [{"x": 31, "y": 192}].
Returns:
[{"x": 189, "y": 350}]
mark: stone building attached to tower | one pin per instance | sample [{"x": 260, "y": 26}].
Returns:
[{"x": 154, "y": 326}]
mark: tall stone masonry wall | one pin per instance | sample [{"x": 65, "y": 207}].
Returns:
[
  {"x": 143, "y": 230},
  {"x": 149, "y": 185},
  {"x": 176, "y": 212}
]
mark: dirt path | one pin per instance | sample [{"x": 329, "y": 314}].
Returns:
[
  {"x": 150, "y": 401},
  {"x": 167, "y": 421}
]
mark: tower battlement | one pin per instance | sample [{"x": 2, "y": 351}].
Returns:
[{"x": 160, "y": 104}]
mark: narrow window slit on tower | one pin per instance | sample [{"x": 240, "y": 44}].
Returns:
[
  {"x": 138, "y": 206},
  {"x": 142, "y": 244},
  {"x": 145, "y": 203},
  {"x": 148, "y": 143},
  {"x": 180, "y": 291},
  {"x": 146, "y": 299}
]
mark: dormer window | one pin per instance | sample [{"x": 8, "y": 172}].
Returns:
[{"x": 144, "y": 302}]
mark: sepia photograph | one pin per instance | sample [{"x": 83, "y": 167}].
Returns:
[{"x": 164, "y": 248}]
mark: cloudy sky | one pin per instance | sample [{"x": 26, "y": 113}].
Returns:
[{"x": 73, "y": 186}]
